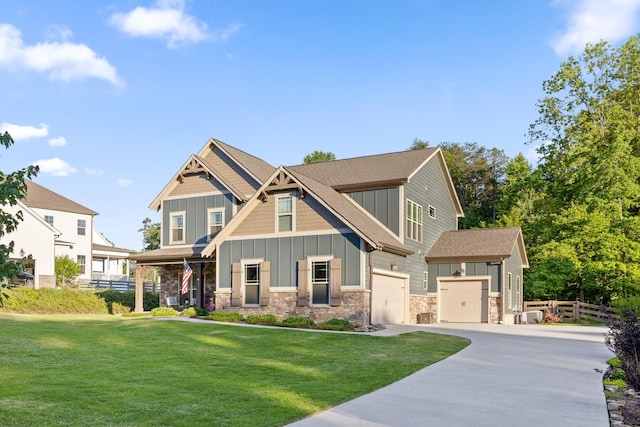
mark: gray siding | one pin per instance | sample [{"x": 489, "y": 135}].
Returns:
[
  {"x": 427, "y": 188},
  {"x": 513, "y": 265},
  {"x": 383, "y": 204},
  {"x": 195, "y": 209},
  {"x": 285, "y": 252}
]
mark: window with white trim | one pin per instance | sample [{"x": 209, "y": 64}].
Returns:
[
  {"x": 215, "y": 222},
  {"x": 82, "y": 227},
  {"x": 48, "y": 219},
  {"x": 414, "y": 221},
  {"x": 251, "y": 283},
  {"x": 432, "y": 212},
  {"x": 82, "y": 262},
  {"x": 518, "y": 300},
  {"x": 509, "y": 280},
  {"x": 425, "y": 280},
  {"x": 285, "y": 213},
  {"x": 176, "y": 232},
  {"x": 320, "y": 282}
]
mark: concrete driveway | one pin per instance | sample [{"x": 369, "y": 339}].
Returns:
[{"x": 522, "y": 375}]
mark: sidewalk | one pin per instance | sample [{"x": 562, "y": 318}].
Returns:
[{"x": 521, "y": 375}]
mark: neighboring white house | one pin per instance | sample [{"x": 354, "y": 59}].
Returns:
[{"x": 56, "y": 226}]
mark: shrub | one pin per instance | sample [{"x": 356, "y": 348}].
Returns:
[
  {"x": 117, "y": 308},
  {"x": 551, "y": 317},
  {"x": 54, "y": 301},
  {"x": 225, "y": 316},
  {"x": 623, "y": 338},
  {"x": 620, "y": 383},
  {"x": 164, "y": 312},
  {"x": 614, "y": 362},
  {"x": 336, "y": 324},
  {"x": 202, "y": 312},
  {"x": 262, "y": 319},
  {"x": 189, "y": 312},
  {"x": 298, "y": 322},
  {"x": 150, "y": 300}
]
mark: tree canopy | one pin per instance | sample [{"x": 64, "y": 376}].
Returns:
[{"x": 318, "y": 157}]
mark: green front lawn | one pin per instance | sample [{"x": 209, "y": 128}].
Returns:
[{"x": 114, "y": 371}]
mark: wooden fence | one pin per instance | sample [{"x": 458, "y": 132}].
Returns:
[
  {"x": 120, "y": 285},
  {"x": 574, "y": 310}
]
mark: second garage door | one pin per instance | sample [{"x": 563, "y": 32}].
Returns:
[
  {"x": 464, "y": 301},
  {"x": 389, "y": 298}
]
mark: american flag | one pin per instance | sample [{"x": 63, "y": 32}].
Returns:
[{"x": 186, "y": 276}]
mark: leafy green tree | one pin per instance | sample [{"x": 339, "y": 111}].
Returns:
[
  {"x": 67, "y": 270},
  {"x": 150, "y": 234},
  {"x": 418, "y": 144},
  {"x": 12, "y": 189},
  {"x": 319, "y": 157}
]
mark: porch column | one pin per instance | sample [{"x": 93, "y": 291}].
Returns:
[{"x": 139, "y": 289}]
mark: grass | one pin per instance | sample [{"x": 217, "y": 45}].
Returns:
[{"x": 117, "y": 371}]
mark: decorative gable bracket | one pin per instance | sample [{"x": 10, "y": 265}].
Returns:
[
  {"x": 193, "y": 167},
  {"x": 281, "y": 182}
]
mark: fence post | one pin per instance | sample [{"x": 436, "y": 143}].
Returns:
[{"x": 576, "y": 311}]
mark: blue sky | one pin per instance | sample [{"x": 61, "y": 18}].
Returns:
[{"x": 110, "y": 98}]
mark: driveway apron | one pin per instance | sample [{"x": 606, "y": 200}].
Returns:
[{"x": 520, "y": 375}]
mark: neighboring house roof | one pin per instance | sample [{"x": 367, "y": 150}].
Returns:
[
  {"x": 39, "y": 197},
  {"x": 168, "y": 254},
  {"x": 257, "y": 169},
  {"x": 377, "y": 171},
  {"x": 106, "y": 248},
  {"x": 347, "y": 211},
  {"x": 478, "y": 244}
]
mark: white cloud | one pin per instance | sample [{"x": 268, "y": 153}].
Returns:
[
  {"x": 55, "y": 166},
  {"x": 57, "y": 142},
  {"x": 532, "y": 155},
  {"x": 593, "y": 20},
  {"x": 122, "y": 182},
  {"x": 90, "y": 171},
  {"x": 168, "y": 21},
  {"x": 61, "y": 60},
  {"x": 58, "y": 32},
  {"x": 19, "y": 132}
]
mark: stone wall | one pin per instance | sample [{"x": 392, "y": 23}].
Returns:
[
  {"x": 419, "y": 304},
  {"x": 354, "y": 307}
]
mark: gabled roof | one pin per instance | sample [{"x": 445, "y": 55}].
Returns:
[
  {"x": 378, "y": 171},
  {"x": 167, "y": 254},
  {"x": 40, "y": 197},
  {"x": 484, "y": 244},
  {"x": 256, "y": 168},
  {"x": 340, "y": 205}
]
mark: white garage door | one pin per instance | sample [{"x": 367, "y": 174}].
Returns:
[
  {"x": 388, "y": 298},
  {"x": 464, "y": 301}
]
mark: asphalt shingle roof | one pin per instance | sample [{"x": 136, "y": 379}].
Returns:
[
  {"x": 43, "y": 198},
  {"x": 476, "y": 243}
]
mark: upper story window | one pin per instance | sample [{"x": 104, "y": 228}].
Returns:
[
  {"x": 432, "y": 212},
  {"x": 215, "y": 222},
  {"x": 48, "y": 219},
  {"x": 176, "y": 233},
  {"x": 285, "y": 213},
  {"x": 82, "y": 227},
  {"x": 414, "y": 221}
]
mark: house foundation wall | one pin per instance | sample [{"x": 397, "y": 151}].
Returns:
[
  {"x": 423, "y": 304},
  {"x": 354, "y": 307}
]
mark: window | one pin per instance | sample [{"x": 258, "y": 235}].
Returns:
[
  {"x": 176, "y": 234},
  {"x": 251, "y": 282},
  {"x": 48, "y": 219},
  {"x": 518, "y": 300},
  {"x": 285, "y": 213},
  {"x": 216, "y": 221},
  {"x": 414, "y": 221},
  {"x": 432, "y": 212},
  {"x": 82, "y": 262},
  {"x": 82, "y": 227},
  {"x": 425, "y": 280},
  {"x": 320, "y": 282},
  {"x": 509, "y": 279}
]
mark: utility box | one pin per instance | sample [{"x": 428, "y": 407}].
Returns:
[{"x": 424, "y": 318}]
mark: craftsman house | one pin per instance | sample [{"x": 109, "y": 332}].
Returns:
[{"x": 370, "y": 239}]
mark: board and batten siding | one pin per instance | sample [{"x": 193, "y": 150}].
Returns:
[
  {"x": 472, "y": 269},
  {"x": 383, "y": 204},
  {"x": 285, "y": 252},
  {"x": 513, "y": 265},
  {"x": 196, "y": 221}
]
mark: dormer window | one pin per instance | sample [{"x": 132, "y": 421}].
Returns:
[{"x": 285, "y": 213}]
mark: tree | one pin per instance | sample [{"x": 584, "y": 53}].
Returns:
[
  {"x": 418, "y": 144},
  {"x": 66, "y": 270},
  {"x": 150, "y": 235},
  {"x": 319, "y": 157},
  {"x": 12, "y": 189},
  {"x": 588, "y": 133}
]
